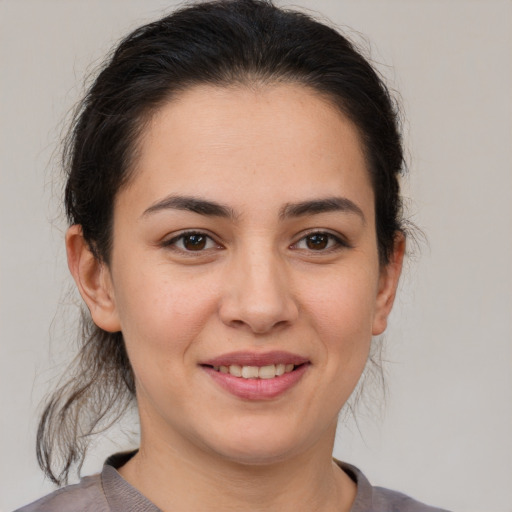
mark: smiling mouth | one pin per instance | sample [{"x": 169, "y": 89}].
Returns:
[
  {"x": 270, "y": 371},
  {"x": 257, "y": 376}
]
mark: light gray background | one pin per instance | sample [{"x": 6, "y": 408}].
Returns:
[{"x": 446, "y": 436}]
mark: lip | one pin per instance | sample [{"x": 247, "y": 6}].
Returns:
[
  {"x": 256, "y": 359},
  {"x": 257, "y": 389}
]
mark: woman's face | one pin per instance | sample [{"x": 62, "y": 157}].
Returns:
[{"x": 245, "y": 244}]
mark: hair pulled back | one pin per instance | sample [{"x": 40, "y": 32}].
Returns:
[{"x": 219, "y": 43}]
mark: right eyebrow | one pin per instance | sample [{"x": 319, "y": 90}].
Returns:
[{"x": 191, "y": 204}]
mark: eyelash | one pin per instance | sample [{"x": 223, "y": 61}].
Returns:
[
  {"x": 336, "y": 242},
  {"x": 333, "y": 242},
  {"x": 173, "y": 242}
]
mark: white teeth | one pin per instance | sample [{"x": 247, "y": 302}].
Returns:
[
  {"x": 235, "y": 370},
  {"x": 280, "y": 369},
  {"x": 267, "y": 372},
  {"x": 250, "y": 372},
  {"x": 256, "y": 372}
]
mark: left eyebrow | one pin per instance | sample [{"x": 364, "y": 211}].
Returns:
[{"x": 328, "y": 204}]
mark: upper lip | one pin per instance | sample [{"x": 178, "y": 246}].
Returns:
[{"x": 244, "y": 358}]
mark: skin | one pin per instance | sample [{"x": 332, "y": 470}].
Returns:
[{"x": 257, "y": 285}]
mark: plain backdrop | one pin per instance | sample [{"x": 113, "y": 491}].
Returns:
[{"x": 446, "y": 434}]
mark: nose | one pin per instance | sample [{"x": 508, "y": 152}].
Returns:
[{"x": 258, "y": 293}]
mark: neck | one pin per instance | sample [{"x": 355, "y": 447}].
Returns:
[{"x": 177, "y": 476}]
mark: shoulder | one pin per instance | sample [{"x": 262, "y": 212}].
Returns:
[
  {"x": 86, "y": 496},
  {"x": 379, "y": 499},
  {"x": 393, "y": 501}
]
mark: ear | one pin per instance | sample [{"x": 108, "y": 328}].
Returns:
[
  {"x": 93, "y": 280},
  {"x": 388, "y": 283}
]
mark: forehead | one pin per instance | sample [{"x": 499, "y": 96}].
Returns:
[{"x": 244, "y": 143}]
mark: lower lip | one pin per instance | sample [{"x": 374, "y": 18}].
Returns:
[{"x": 257, "y": 389}]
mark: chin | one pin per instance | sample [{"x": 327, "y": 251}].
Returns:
[
  {"x": 260, "y": 446},
  {"x": 259, "y": 457}
]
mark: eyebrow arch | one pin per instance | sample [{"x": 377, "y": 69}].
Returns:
[
  {"x": 328, "y": 204},
  {"x": 211, "y": 208},
  {"x": 191, "y": 204}
]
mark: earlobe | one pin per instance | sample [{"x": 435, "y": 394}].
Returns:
[
  {"x": 388, "y": 284},
  {"x": 93, "y": 280}
]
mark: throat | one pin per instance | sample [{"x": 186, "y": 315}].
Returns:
[{"x": 289, "y": 486}]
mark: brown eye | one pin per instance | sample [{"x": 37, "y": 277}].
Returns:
[
  {"x": 320, "y": 241},
  {"x": 191, "y": 242},
  {"x": 317, "y": 241},
  {"x": 194, "y": 242}
]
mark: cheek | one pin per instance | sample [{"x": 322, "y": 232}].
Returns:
[
  {"x": 161, "y": 315},
  {"x": 343, "y": 301},
  {"x": 342, "y": 312}
]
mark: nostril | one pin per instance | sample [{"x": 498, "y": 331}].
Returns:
[{"x": 237, "y": 323}]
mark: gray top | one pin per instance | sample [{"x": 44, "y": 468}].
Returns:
[{"x": 110, "y": 492}]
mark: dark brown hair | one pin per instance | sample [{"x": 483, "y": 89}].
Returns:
[{"x": 219, "y": 43}]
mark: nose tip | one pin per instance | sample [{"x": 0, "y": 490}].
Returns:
[
  {"x": 260, "y": 299},
  {"x": 258, "y": 327}
]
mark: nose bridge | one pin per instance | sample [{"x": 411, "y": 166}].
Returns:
[{"x": 259, "y": 293}]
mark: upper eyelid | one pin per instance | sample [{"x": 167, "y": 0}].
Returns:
[
  {"x": 337, "y": 236},
  {"x": 168, "y": 241},
  {"x": 338, "y": 245}
]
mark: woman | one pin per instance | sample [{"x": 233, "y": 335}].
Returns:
[{"x": 236, "y": 234}]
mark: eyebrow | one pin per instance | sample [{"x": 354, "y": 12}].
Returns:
[
  {"x": 191, "y": 204},
  {"x": 328, "y": 204},
  {"x": 289, "y": 210}
]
